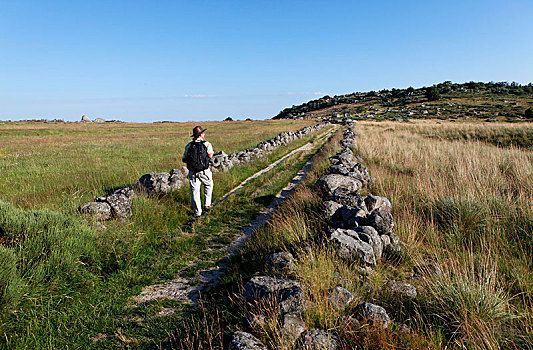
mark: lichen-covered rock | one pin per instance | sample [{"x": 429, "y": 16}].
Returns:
[
  {"x": 120, "y": 206},
  {"x": 330, "y": 209},
  {"x": 317, "y": 339},
  {"x": 96, "y": 210},
  {"x": 374, "y": 203},
  {"x": 286, "y": 293},
  {"x": 349, "y": 198},
  {"x": 350, "y": 247},
  {"x": 329, "y": 183},
  {"x": 400, "y": 289},
  {"x": 292, "y": 327},
  {"x": 245, "y": 341},
  {"x": 382, "y": 221},
  {"x": 374, "y": 314},
  {"x": 369, "y": 235},
  {"x": 280, "y": 264},
  {"x": 339, "y": 297}
]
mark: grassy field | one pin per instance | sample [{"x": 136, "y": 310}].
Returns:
[
  {"x": 68, "y": 285},
  {"x": 466, "y": 206}
]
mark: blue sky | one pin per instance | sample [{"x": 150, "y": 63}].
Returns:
[{"x": 206, "y": 60}]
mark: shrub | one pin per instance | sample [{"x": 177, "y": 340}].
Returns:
[
  {"x": 528, "y": 114},
  {"x": 228, "y": 119},
  {"x": 432, "y": 93}
]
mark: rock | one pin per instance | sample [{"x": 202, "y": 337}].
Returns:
[
  {"x": 352, "y": 217},
  {"x": 369, "y": 235},
  {"x": 400, "y": 289},
  {"x": 427, "y": 270},
  {"x": 317, "y": 339},
  {"x": 339, "y": 297},
  {"x": 155, "y": 184},
  {"x": 374, "y": 203},
  {"x": 245, "y": 341},
  {"x": 330, "y": 208},
  {"x": 99, "y": 120},
  {"x": 280, "y": 264},
  {"x": 125, "y": 191},
  {"x": 285, "y": 292},
  {"x": 120, "y": 206},
  {"x": 382, "y": 221},
  {"x": 374, "y": 314},
  {"x": 350, "y": 247},
  {"x": 85, "y": 119},
  {"x": 329, "y": 183},
  {"x": 349, "y": 198},
  {"x": 97, "y": 210},
  {"x": 292, "y": 326}
]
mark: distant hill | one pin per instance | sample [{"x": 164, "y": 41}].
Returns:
[{"x": 491, "y": 101}]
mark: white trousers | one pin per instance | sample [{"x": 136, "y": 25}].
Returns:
[{"x": 195, "y": 181}]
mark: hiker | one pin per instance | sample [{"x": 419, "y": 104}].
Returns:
[{"x": 197, "y": 155}]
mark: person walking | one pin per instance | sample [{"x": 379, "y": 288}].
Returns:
[{"x": 197, "y": 155}]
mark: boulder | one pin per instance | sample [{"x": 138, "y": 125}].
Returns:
[
  {"x": 339, "y": 297},
  {"x": 97, "y": 210},
  {"x": 330, "y": 209},
  {"x": 245, "y": 341},
  {"x": 349, "y": 198},
  {"x": 317, "y": 339},
  {"x": 280, "y": 264},
  {"x": 378, "y": 203},
  {"x": 286, "y": 293},
  {"x": 400, "y": 289},
  {"x": 292, "y": 326},
  {"x": 329, "y": 183},
  {"x": 371, "y": 313},
  {"x": 382, "y": 221},
  {"x": 99, "y": 120},
  {"x": 85, "y": 119},
  {"x": 369, "y": 235},
  {"x": 350, "y": 247},
  {"x": 120, "y": 206}
]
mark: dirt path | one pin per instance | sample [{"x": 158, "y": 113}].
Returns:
[{"x": 188, "y": 291}]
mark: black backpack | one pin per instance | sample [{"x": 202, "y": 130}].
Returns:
[{"x": 197, "y": 158}]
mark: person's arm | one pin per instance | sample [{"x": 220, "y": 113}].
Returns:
[
  {"x": 184, "y": 157},
  {"x": 210, "y": 151}
]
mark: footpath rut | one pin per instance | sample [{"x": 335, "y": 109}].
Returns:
[{"x": 188, "y": 291}]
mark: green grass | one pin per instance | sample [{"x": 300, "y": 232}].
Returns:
[{"x": 79, "y": 281}]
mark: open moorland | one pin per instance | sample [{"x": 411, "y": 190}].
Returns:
[{"x": 452, "y": 270}]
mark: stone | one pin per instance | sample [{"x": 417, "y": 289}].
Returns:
[
  {"x": 339, "y": 297},
  {"x": 245, "y": 341},
  {"x": 382, "y": 221},
  {"x": 352, "y": 217},
  {"x": 317, "y": 339},
  {"x": 120, "y": 206},
  {"x": 378, "y": 203},
  {"x": 280, "y": 264},
  {"x": 372, "y": 313},
  {"x": 85, "y": 119},
  {"x": 349, "y": 198},
  {"x": 99, "y": 120},
  {"x": 400, "y": 289},
  {"x": 330, "y": 208},
  {"x": 286, "y": 293},
  {"x": 350, "y": 247},
  {"x": 292, "y": 326},
  {"x": 125, "y": 191},
  {"x": 97, "y": 210},
  {"x": 329, "y": 183},
  {"x": 369, "y": 235},
  {"x": 347, "y": 321}
]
